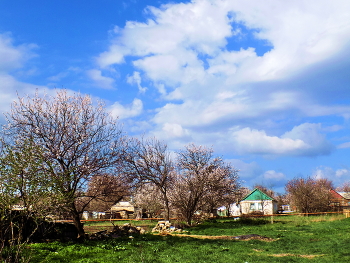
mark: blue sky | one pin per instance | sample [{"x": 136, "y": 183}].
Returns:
[{"x": 265, "y": 83}]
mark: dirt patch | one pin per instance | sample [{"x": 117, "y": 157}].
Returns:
[
  {"x": 242, "y": 238},
  {"x": 94, "y": 229}
]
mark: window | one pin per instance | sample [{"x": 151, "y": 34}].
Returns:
[{"x": 256, "y": 206}]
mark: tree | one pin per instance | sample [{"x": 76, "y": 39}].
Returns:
[
  {"x": 310, "y": 195},
  {"x": 149, "y": 160},
  {"x": 148, "y": 197},
  {"x": 77, "y": 139},
  {"x": 345, "y": 187},
  {"x": 265, "y": 190},
  {"x": 222, "y": 188},
  {"x": 103, "y": 191},
  {"x": 200, "y": 176},
  {"x": 23, "y": 189}
]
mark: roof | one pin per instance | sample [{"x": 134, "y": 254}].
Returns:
[
  {"x": 256, "y": 194},
  {"x": 123, "y": 206},
  {"x": 336, "y": 195},
  {"x": 346, "y": 195}
]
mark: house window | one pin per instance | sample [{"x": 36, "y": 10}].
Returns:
[
  {"x": 256, "y": 206},
  {"x": 252, "y": 207},
  {"x": 259, "y": 206}
]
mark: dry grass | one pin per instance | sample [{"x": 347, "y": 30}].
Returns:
[
  {"x": 293, "y": 255},
  {"x": 242, "y": 238}
]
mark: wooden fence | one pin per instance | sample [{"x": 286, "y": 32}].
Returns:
[{"x": 346, "y": 212}]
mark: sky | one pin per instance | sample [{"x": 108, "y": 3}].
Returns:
[{"x": 265, "y": 83}]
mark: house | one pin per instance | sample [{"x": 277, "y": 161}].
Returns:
[
  {"x": 339, "y": 200},
  {"x": 258, "y": 202},
  {"x": 124, "y": 209}
]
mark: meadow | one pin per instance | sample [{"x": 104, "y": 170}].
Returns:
[{"x": 290, "y": 239}]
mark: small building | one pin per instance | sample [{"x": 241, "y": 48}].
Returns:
[
  {"x": 339, "y": 200},
  {"x": 258, "y": 202},
  {"x": 124, "y": 209},
  {"x": 235, "y": 209}
]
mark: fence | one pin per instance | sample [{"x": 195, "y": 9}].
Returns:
[{"x": 346, "y": 212}]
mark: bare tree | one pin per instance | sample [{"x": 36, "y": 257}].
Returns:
[
  {"x": 148, "y": 197},
  {"x": 265, "y": 190},
  {"x": 222, "y": 188},
  {"x": 77, "y": 139},
  {"x": 200, "y": 176},
  {"x": 149, "y": 160},
  {"x": 345, "y": 187},
  {"x": 103, "y": 191},
  {"x": 310, "y": 195}
]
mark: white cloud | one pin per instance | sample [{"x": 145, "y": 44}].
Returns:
[
  {"x": 304, "y": 139},
  {"x": 101, "y": 81},
  {"x": 274, "y": 176},
  {"x": 122, "y": 112},
  {"x": 337, "y": 176},
  {"x": 191, "y": 53},
  {"x": 135, "y": 78},
  {"x": 344, "y": 145},
  {"x": 247, "y": 171},
  {"x": 174, "y": 130},
  {"x": 11, "y": 56}
]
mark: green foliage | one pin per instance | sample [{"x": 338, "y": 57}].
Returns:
[{"x": 297, "y": 239}]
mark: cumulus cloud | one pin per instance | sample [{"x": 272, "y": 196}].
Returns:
[
  {"x": 247, "y": 171},
  {"x": 100, "y": 80},
  {"x": 210, "y": 84},
  {"x": 302, "y": 140},
  {"x": 11, "y": 56},
  {"x": 274, "y": 176},
  {"x": 122, "y": 112},
  {"x": 337, "y": 176},
  {"x": 135, "y": 78}
]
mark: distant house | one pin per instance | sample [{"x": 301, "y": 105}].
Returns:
[
  {"x": 339, "y": 200},
  {"x": 124, "y": 209},
  {"x": 258, "y": 201}
]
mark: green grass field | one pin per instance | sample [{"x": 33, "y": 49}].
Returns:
[{"x": 295, "y": 239}]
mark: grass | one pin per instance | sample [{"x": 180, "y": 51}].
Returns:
[
  {"x": 95, "y": 226},
  {"x": 297, "y": 239}
]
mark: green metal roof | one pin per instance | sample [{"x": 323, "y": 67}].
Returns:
[{"x": 256, "y": 194}]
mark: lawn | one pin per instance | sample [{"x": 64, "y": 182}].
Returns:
[{"x": 295, "y": 239}]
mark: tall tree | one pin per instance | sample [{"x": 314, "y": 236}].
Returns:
[
  {"x": 149, "y": 160},
  {"x": 78, "y": 140},
  {"x": 200, "y": 175},
  {"x": 309, "y": 195}
]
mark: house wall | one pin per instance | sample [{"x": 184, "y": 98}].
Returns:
[{"x": 268, "y": 207}]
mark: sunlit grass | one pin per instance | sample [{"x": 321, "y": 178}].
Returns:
[{"x": 296, "y": 239}]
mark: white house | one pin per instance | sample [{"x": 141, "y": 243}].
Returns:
[{"x": 257, "y": 201}]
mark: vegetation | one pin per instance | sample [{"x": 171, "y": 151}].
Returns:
[
  {"x": 310, "y": 195},
  {"x": 76, "y": 140},
  {"x": 202, "y": 182},
  {"x": 295, "y": 239}
]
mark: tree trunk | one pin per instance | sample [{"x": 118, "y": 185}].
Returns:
[
  {"x": 166, "y": 207},
  {"x": 189, "y": 220},
  {"x": 76, "y": 220}
]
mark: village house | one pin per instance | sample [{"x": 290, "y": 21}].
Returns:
[
  {"x": 258, "y": 202},
  {"x": 339, "y": 200}
]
